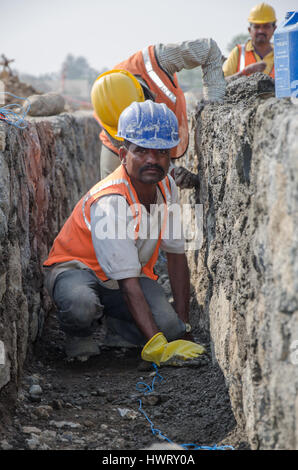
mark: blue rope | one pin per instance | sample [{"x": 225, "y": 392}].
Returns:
[
  {"x": 196, "y": 447},
  {"x": 154, "y": 430},
  {"x": 8, "y": 112},
  {"x": 145, "y": 388}
]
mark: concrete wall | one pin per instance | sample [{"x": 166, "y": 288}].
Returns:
[
  {"x": 44, "y": 170},
  {"x": 246, "y": 273}
]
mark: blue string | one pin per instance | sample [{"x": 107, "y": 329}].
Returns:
[
  {"x": 145, "y": 388},
  {"x": 9, "y": 115},
  {"x": 154, "y": 430},
  {"x": 196, "y": 447}
]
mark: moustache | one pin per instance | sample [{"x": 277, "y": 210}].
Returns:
[{"x": 152, "y": 167}]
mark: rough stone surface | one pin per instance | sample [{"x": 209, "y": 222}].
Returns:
[
  {"x": 44, "y": 170},
  {"x": 48, "y": 104},
  {"x": 246, "y": 272}
]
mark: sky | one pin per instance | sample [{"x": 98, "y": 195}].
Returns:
[{"x": 39, "y": 34}]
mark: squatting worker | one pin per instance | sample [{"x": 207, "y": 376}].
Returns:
[
  {"x": 152, "y": 76},
  {"x": 256, "y": 55},
  {"x": 102, "y": 261}
]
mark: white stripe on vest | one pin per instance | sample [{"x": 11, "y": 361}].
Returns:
[
  {"x": 155, "y": 78},
  {"x": 104, "y": 186},
  {"x": 242, "y": 57}
]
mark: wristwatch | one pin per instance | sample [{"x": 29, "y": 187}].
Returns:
[{"x": 188, "y": 327}]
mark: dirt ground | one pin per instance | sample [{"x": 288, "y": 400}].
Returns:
[{"x": 96, "y": 405}]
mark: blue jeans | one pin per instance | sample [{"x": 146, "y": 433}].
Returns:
[{"x": 82, "y": 300}]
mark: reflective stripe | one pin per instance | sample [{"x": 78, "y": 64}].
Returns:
[
  {"x": 155, "y": 78},
  {"x": 101, "y": 188},
  {"x": 167, "y": 192},
  {"x": 242, "y": 58},
  {"x": 84, "y": 213}
]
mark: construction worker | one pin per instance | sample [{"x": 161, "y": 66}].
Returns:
[
  {"x": 152, "y": 75},
  {"x": 102, "y": 261},
  {"x": 256, "y": 55}
]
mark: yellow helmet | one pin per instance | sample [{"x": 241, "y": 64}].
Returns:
[
  {"x": 112, "y": 92},
  {"x": 262, "y": 13}
]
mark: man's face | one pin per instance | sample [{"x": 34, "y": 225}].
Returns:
[
  {"x": 261, "y": 33},
  {"x": 145, "y": 165}
]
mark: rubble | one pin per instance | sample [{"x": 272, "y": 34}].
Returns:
[
  {"x": 47, "y": 104},
  {"x": 13, "y": 85}
]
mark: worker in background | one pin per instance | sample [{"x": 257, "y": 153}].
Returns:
[
  {"x": 152, "y": 76},
  {"x": 102, "y": 261},
  {"x": 256, "y": 55}
]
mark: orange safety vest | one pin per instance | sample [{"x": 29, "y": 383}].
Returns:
[
  {"x": 144, "y": 64},
  {"x": 246, "y": 58},
  {"x": 74, "y": 241}
]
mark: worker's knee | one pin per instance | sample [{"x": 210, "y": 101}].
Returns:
[{"x": 79, "y": 310}]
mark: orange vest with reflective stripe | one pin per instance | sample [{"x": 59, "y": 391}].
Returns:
[
  {"x": 74, "y": 241},
  {"x": 249, "y": 58},
  {"x": 144, "y": 64}
]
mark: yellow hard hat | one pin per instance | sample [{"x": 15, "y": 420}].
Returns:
[
  {"x": 262, "y": 13},
  {"x": 112, "y": 92}
]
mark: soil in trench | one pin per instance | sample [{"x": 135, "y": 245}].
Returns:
[{"x": 96, "y": 404}]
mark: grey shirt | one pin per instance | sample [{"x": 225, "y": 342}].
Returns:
[{"x": 190, "y": 54}]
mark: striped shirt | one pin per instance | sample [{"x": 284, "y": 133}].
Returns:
[{"x": 190, "y": 54}]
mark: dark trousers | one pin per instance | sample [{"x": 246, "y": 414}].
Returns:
[{"x": 82, "y": 300}]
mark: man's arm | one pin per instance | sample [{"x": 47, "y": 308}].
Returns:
[
  {"x": 231, "y": 64},
  {"x": 190, "y": 54},
  {"x": 157, "y": 349},
  {"x": 138, "y": 306},
  {"x": 180, "y": 283},
  {"x": 249, "y": 69}
]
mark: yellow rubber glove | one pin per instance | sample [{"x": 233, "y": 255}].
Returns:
[{"x": 159, "y": 351}]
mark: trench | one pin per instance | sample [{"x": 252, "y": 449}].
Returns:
[
  {"x": 96, "y": 405},
  {"x": 243, "y": 289},
  {"x": 92, "y": 405}
]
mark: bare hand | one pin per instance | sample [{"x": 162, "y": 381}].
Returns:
[
  {"x": 185, "y": 179},
  {"x": 253, "y": 68}
]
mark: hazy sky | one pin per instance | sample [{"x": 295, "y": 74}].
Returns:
[{"x": 39, "y": 34}]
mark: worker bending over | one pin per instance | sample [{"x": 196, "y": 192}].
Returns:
[
  {"x": 102, "y": 261},
  {"x": 152, "y": 76},
  {"x": 256, "y": 55}
]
